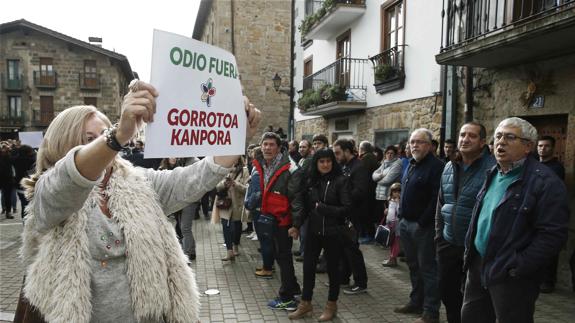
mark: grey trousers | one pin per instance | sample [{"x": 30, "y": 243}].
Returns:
[{"x": 188, "y": 242}]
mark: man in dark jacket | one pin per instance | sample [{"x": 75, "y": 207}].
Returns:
[
  {"x": 281, "y": 187},
  {"x": 519, "y": 224},
  {"x": 359, "y": 179},
  {"x": 546, "y": 152},
  {"x": 369, "y": 161},
  {"x": 420, "y": 187},
  {"x": 461, "y": 180}
]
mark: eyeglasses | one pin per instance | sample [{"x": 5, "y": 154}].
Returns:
[{"x": 509, "y": 137}]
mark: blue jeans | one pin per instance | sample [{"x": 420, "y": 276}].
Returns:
[
  {"x": 232, "y": 233},
  {"x": 419, "y": 249},
  {"x": 266, "y": 244}
]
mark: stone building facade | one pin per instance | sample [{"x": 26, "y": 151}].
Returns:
[
  {"x": 258, "y": 33},
  {"x": 45, "y": 72},
  {"x": 397, "y": 119}
]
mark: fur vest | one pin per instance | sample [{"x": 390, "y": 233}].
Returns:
[{"x": 58, "y": 274}]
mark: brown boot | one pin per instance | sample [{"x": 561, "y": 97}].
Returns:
[
  {"x": 303, "y": 308},
  {"x": 230, "y": 256},
  {"x": 329, "y": 312}
]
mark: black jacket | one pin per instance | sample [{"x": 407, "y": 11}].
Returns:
[
  {"x": 359, "y": 183},
  {"x": 529, "y": 226},
  {"x": 328, "y": 204},
  {"x": 556, "y": 167},
  {"x": 419, "y": 190}
]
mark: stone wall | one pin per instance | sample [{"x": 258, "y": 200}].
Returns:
[
  {"x": 412, "y": 114},
  {"x": 310, "y": 127},
  {"x": 261, "y": 32},
  {"x": 68, "y": 63},
  {"x": 501, "y": 89}
]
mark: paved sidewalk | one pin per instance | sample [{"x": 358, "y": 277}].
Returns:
[{"x": 243, "y": 297}]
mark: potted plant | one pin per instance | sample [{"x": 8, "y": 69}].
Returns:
[{"x": 387, "y": 78}]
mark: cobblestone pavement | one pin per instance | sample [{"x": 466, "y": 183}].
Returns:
[{"x": 243, "y": 297}]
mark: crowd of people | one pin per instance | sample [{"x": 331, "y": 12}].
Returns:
[
  {"x": 480, "y": 229},
  {"x": 491, "y": 219}
]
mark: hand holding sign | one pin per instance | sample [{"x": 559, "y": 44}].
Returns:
[
  {"x": 200, "y": 110},
  {"x": 139, "y": 106}
]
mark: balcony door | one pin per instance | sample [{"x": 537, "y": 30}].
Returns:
[
  {"x": 343, "y": 55},
  {"x": 90, "y": 74},
  {"x": 13, "y": 80},
  {"x": 46, "y": 109},
  {"x": 47, "y": 71}
]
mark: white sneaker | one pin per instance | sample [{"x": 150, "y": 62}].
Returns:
[
  {"x": 255, "y": 237},
  {"x": 251, "y": 235}
]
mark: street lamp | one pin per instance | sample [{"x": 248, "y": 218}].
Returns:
[{"x": 277, "y": 85}]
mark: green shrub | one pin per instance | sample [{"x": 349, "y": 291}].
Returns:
[{"x": 383, "y": 72}]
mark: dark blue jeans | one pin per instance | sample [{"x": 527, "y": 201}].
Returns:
[
  {"x": 232, "y": 233},
  {"x": 419, "y": 249},
  {"x": 266, "y": 244}
]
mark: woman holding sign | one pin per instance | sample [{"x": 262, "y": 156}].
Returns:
[{"x": 96, "y": 242}]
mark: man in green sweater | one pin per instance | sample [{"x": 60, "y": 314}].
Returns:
[{"x": 518, "y": 225}]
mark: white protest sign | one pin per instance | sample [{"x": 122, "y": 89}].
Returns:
[
  {"x": 200, "y": 110},
  {"x": 31, "y": 138}
]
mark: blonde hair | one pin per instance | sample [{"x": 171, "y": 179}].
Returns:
[
  {"x": 395, "y": 187},
  {"x": 66, "y": 131}
]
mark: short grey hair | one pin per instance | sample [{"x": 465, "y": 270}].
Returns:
[
  {"x": 366, "y": 146},
  {"x": 528, "y": 131},
  {"x": 425, "y": 131}
]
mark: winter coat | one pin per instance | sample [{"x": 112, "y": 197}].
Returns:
[
  {"x": 359, "y": 180},
  {"x": 253, "y": 199},
  {"x": 388, "y": 173},
  {"x": 56, "y": 248},
  {"x": 237, "y": 193},
  {"x": 328, "y": 204},
  {"x": 528, "y": 226},
  {"x": 457, "y": 196},
  {"x": 419, "y": 189},
  {"x": 282, "y": 196}
]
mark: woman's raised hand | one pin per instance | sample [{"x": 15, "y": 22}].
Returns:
[{"x": 139, "y": 106}]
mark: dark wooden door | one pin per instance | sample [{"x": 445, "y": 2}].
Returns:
[{"x": 46, "y": 109}]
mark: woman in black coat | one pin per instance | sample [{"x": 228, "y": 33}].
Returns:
[{"x": 328, "y": 204}]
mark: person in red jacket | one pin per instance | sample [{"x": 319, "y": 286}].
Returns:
[{"x": 281, "y": 187}]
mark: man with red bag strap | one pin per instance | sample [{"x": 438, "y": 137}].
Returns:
[{"x": 280, "y": 183}]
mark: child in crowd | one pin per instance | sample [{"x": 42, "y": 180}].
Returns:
[{"x": 392, "y": 221}]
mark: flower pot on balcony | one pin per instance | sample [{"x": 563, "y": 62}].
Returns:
[{"x": 389, "y": 85}]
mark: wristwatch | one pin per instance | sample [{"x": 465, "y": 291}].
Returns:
[{"x": 111, "y": 140}]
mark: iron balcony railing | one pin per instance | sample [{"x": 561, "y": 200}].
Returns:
[
  {"x": 388, "y": 65},
  {"x": 13, "y": 83},
  {"x": 89, "y": 81},
  {"x": 9, "y": 120},
  {"x": 348, "y": 73},
  {"x": 313, "y": 6},
  {"x": 42, "y": 118},
  {"x": 47, "y": 80},
  {"x": 466, "y": 20}
]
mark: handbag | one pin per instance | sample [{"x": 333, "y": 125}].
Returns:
[
  {"x": 383, "y": 235},
  {"x": 267, "y": 225},
  {"x": 25, "y": 312},
  {"x": 224, "y": 203}
]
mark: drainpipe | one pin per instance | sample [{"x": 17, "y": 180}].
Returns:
[
  {"x": 468, "y": 94},
  {"x": 291, "y": 121},
  {"x": 232, "y": 8},
  {"x": 449, "y": 117}
]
